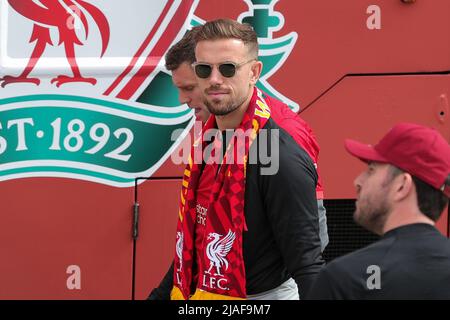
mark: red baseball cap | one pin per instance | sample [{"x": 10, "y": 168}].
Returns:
[{"x": 418, "y": 150}]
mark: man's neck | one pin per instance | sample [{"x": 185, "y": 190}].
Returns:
[
  {"x": 406, "y": 216},
  {"x": 233, "y": 119}
]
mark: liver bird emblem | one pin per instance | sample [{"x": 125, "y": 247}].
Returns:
[
  {"x": 59, "y": 14},
  {"x": 179, "y": 249},
  {"x": 217, "y": 249}
]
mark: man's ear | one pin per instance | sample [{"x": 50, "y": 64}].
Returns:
[
  {"x": 403, "y": 185},
  {"x": 255, "y": 72}
]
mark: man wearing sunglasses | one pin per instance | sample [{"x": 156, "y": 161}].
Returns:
[
  {"x": 179, "y": 60},
  {"x": 260, "y": 236}
]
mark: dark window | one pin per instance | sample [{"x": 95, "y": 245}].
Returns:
[{"x": 345, "y": 235}]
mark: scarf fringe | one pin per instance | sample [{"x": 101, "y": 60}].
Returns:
[
  {"x": 200, "y": 295},
  {"x": 176, "y": 294}
]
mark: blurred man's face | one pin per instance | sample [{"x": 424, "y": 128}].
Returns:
[
  {"x": 184, "y": 79},
  {"x": 372, "y": 205}
]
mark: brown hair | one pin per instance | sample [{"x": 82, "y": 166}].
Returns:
[
  {"x": 182, "y": 51},
  {"x": 229, "y": 29},
  {"x": 431, "y": 201}
]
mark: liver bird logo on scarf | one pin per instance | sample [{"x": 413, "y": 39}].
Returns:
[{"x": 217, "y": 250}]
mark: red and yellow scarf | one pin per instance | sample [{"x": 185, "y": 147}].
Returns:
[{"x": 221, "y": 273}]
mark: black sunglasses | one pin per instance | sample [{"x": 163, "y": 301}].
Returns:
[{"x": 227, "y": 69}]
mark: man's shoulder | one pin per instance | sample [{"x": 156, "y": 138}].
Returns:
[
  {"x": 361, "y": 258},
  {"x": 295, "y": 126},
  {"x": 289, "y": 150}
]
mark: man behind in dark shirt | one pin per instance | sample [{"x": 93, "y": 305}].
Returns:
[{"x": 400, "y": 196}]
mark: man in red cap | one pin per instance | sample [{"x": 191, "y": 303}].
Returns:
[{"x": 400, "y": 197}]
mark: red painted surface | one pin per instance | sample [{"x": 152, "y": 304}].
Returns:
[
  {"x": 48, "y": 224},
  {"x": 364, "y": 108},
  {"x": 171, "y": 169},
  {"x": 334, "y": 41},
  {"x": 155, "y": 247}
]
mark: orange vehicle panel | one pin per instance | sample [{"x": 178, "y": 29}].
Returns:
[
  {"x": 155, "y": 247},
  {"x": 364, "y": 108},
  {"x": 61, "y": 224}
]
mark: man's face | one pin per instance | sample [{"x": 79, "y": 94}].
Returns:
[
  {"x": 184, "y": 79},
  {"x": 223, "y": 95},
  {"x": 373, "y": 206}
]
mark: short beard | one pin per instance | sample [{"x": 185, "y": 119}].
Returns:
[
  {"x": 222, "y": 112},
  {"x": 373, "y": 218}
]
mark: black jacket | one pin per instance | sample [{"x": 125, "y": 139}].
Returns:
[{"x": 409, "y": 262}]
